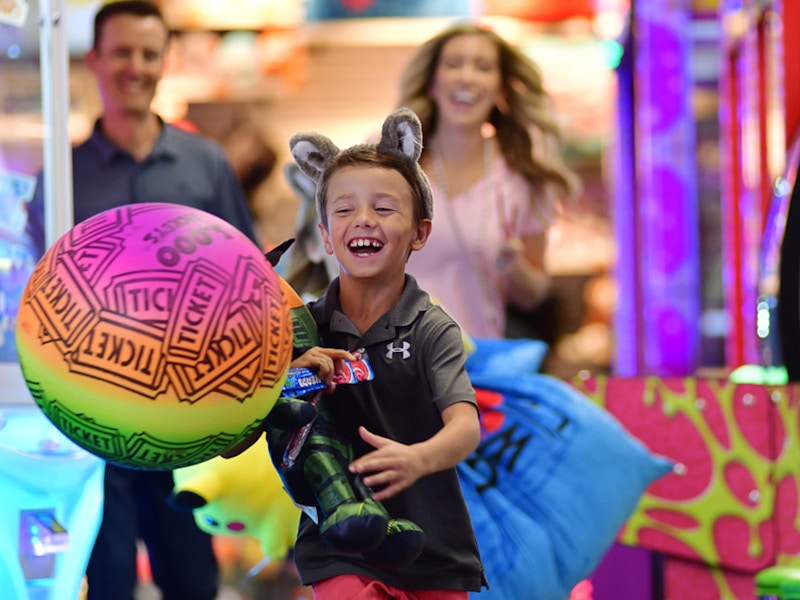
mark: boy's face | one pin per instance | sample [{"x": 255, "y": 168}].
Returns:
[
  {"x": 129, "y": 62},
  {"x": 371, "y": 224}
]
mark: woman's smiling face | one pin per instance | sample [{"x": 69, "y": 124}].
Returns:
[
  {"x": 467, "y": 81},
  {"x": 371, "y": 221}
]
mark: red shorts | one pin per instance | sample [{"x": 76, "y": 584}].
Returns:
[{"x": 356, "y": 587}]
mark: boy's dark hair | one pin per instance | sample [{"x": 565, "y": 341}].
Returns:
[
  {"x": 139, "y": 8},
  {"x": 369, "y": 156}
]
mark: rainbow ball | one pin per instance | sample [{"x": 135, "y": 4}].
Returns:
[{"x": 154, "y": 335}]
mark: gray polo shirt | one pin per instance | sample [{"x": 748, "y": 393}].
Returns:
[{"x": 417, "y": 353}]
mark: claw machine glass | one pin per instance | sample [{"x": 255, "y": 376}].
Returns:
[{"x": 51, "y": 489}]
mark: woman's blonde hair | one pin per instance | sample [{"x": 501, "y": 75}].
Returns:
[{"x": 526, "y": 128}]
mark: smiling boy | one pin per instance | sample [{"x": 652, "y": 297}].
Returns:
[{"x": 417, "y": 419}]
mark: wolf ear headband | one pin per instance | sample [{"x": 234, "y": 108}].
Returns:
[{"x": 401, "y": 136}]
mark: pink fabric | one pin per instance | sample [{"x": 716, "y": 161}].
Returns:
[
  {"x": 356, "y": 587},
  {"x": 448, "y": 274}
]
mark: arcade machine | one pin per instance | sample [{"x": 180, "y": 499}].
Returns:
[{"x": 729, "y": 509}]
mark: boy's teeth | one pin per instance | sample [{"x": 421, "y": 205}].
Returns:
[{"x": 364, "y": 244}]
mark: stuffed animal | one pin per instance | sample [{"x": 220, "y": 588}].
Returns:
[
  {"x": 313, "y": 463},
  {"x": 240, "y": 496}
]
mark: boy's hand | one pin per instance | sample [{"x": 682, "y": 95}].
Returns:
[
  {"x": 327, "y": 362},
  {"x": 392, "y": 467}
]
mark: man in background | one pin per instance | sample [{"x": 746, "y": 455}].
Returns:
[{"x": 133, "y": 156}]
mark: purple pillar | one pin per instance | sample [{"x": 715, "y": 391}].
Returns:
[{"x": 655, "y": 201}]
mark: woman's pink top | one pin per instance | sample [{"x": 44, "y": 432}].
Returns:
[{"x": 467, "y": 283}]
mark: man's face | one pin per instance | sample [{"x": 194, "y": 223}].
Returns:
[{"x": 129, "y": 62}]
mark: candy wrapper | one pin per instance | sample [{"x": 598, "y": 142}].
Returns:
[{"x": 302, "y": 380}]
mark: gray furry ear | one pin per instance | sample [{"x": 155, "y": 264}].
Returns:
[
  {"x": 313, "y": 153},
  {"x": 402, "y": 132}
]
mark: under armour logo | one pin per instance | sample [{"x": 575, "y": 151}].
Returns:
[{"x": 391, "y": 350}]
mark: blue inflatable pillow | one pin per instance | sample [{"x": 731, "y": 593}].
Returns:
[{"x": 550, "y": 489}]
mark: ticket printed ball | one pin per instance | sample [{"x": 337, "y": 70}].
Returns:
[{"x": 154, "y": 335}]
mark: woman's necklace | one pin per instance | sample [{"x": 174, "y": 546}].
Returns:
[{"x": 476, "y": 251}]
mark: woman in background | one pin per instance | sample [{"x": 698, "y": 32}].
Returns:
[{"x": 494, "y": 158}]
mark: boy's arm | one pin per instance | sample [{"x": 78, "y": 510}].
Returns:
[
  {"x": 453, "y": 443},
  {"x": 397, "y": 466}
]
